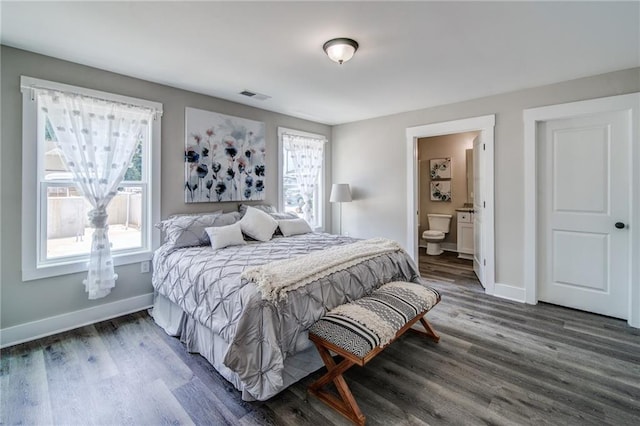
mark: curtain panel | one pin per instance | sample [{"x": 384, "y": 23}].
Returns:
[
  {"x": 307, "y": 155},
  {"x": 97, "y": 139}
]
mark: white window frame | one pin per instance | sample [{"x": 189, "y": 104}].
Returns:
[
  {"x": 321, "y": 187},
  {"x": 34, "y": 265}
]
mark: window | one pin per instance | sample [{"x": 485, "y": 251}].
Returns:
[
  {"x": 57, "y": 234},
  {"x": 301, "y": 175}
]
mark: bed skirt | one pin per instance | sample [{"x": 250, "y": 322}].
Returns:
[{"x": 199, "y": 339}]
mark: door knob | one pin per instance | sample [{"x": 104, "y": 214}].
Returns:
[{"x": 619, "y": 225}]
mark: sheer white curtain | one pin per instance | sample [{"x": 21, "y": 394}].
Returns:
[
  {"x": 307, "y": 155},
  {"x": 97, "y": 139}
]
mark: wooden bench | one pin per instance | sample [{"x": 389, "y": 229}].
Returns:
[{"x": 360, "y": 330}]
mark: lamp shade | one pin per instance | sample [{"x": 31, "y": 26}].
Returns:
[
  {"x": 340, "y": 49},
  {"x": 340, "y": 193}
]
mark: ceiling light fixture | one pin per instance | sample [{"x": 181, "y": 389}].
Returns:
[{"x": 340, "y": 49}]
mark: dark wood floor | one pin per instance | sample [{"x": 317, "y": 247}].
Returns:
[
  {"x": 498, "y": 362},
  {"x": 447, "y": 268}
]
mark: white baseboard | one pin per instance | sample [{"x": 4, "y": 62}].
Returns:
[
  {"x": 45, "y": 327},
  {"x": 505, "y": 291}
]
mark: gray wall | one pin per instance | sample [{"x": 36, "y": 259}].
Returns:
[
  {"x": 23, "y": 302},
  {"x": 371, "y": 156}
]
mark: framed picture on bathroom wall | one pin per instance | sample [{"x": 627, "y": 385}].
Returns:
[
  {"x": 440, "y": 168},
  {"x": 441, "y": 190}
]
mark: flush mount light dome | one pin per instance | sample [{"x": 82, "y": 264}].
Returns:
[{"x": 340, "y": 49}]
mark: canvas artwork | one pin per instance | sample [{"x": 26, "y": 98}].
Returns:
[
  {"x": 441, "y": 191},
  {"x": 440, "y": 168},
  {"x": 224, "y": 158}
]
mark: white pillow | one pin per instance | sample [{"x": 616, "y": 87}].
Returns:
[
  {"x": 290, "y": 227},
  {"x": 258, "y": 224},
  {"x": 225, "y": 236}
]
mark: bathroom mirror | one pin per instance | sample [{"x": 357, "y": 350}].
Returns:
[{"x": 469, "y": 161}]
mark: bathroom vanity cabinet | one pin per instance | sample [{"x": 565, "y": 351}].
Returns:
[{"x": 465, "y": 234}]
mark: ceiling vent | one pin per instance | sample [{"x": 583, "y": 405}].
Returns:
[{"x": 254, "y": 95}]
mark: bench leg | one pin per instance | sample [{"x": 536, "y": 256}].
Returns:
[
  {"x": 346, "y": 405},
  {"x": 435, "y": 336},
  {"x": 430, "y": 332}
]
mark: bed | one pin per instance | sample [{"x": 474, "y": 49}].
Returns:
[{"x": 260, "y": 346}]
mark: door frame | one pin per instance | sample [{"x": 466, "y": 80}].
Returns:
[
  {"x": 485, "y": 124},
  {"x": 532, "y": 116}
]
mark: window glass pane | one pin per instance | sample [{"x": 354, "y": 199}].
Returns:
[
  {"x": 69, "y": 232},
  {"x": 134, "y": 172},
  {"x": 55, "y": 168}
]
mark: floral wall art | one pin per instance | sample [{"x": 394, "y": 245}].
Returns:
[
  {"x": 224, "y": 158},
  {"x": 440, "y": 172},
  {"x": 440, "y": 168},
  {"x": 441, "y": 190}
]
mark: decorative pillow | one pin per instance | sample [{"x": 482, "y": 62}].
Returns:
[
  {"x": 225, "y": 236},
  {"x": 257, "y": 224},
  {"x": 290, "y": 227},
  {"x": 186, "y": 231},
  {"x": 194, "y": 214},
  {"x": 267, "y": 208},
  {"x": 162, "y": 225},
  {"x": 283, "y": 216},
  {"x": 226, "y": 219}
]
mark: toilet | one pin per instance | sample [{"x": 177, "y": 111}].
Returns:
[{"x": 439, "y": 225}]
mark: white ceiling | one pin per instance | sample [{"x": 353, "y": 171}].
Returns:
[{"x": 411, "y": 56}]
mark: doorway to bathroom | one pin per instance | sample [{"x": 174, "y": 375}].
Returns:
[
  {"x": 445, "y": 187},
  {"x": 441, "y": 175},
  {"x": 445, "y": 206}
]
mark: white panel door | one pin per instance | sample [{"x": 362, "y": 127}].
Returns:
[
  {"x": 583, "y": 191},
  {"x": 478, "y": 209}
]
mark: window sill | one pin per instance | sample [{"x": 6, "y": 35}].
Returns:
[{"x": 63, "y": 268}]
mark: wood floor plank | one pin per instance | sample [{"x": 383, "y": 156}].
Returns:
[
  {"x": 301, "y": 392},
  {"x": 289, "y": 409},
  {"x": 602, "y": 333},
  {"x": 156, "y": 356},
  {"x": 27, "y": 392},
  {"x": 475, "y": 374},
  {"x": 202, "y": 406},
  {"x": 554, "y": 354},
  {"x": 95, "y": 361},
  {"x": 224, "y": 391},
  {"x": 486, "y": 322},
  {"x": 160, "y": 406},
  {"x": 261, "y": 416},
  {"x": 388, "y": 395},
  {"x": 69, "y": 401}
]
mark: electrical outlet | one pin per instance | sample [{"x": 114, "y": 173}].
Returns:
[{"x": 144, "y": 267}]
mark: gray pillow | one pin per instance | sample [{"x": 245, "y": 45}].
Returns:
[
  {"x": 194, "y": 214},
  {"x": 188, "y": 230},
  {"x": 283, "y": 216},
  {"x": 226, "y": 219},
  {"x": 267, "y": 208}
]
